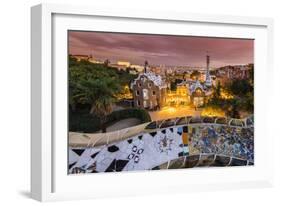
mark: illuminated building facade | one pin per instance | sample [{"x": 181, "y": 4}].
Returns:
[
  {"x": 149, "y": 91},
  {"x": 124, "y": 63},
  {"x": 197, "y": 94},
  {"x": 180, "y": 97}
]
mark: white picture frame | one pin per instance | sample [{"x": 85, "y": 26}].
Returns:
[{"x": 49, "y": 179}]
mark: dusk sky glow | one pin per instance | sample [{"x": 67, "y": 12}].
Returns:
[{"x": 161, "y": 49}]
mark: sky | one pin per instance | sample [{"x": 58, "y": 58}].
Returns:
[{"x": 161, "y": 49}]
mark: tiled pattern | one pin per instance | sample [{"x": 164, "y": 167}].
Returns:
[
  {"x": 149, "y": 150},
  {"x": 229, "y": 141}
]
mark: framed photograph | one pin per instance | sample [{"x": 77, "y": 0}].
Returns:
[{"x": 138, "y": 102}]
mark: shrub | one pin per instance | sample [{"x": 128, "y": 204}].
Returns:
[{"x": 82, "y": 121}]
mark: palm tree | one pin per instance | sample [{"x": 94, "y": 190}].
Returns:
[
  {"x": 102, "y": 107},
  {"x": 100, "y": 94}
]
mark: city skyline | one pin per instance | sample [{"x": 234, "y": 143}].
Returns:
[{"x": 161, "y": 49}]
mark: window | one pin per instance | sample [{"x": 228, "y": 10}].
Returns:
[
  {"x": 149, "y": 85},
  {"x": 198, "y": 92},
  {"x": 144, "y": 104},
  {"x": 137, "y": 93},
  {"x": 198, "y": 101},
  {"x": 139, "y": 84},
  {"x": 154, "y": 93},
  {"x": 138, "y": 102},
  {"x": 145, "y": 93}
]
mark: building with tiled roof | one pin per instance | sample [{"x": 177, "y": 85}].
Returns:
[{"x": 149, "y": 91}]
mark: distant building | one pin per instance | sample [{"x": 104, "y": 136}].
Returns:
[
  {"x": 228, "y": 73},
  {"x": 155, "y": 69},
  {"x": 88, "y": 58},
  {"x": 149, "y": 91},
  {"x": 179, "y": 97},
  {"x": 80, "y": 57},
  {"x": 133, "y": 71},
  {"x": 199, "y": 93},
  {"x": 169, "y": 71},
  {"x": 119, "y": 67},
  {"x": 235, "y": 71},
  {"x": 138, "y": 68},
  {"x": 124, "y": 63},
  {"x": 94, "y": 61}
]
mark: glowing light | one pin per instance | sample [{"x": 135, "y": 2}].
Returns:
[
  {"x": 211, "y": 112},
  {"x": 225, "y": 95},
  {"x": 171, "y": 110},
  {"x": 125, "y": 93},
  {"x": 177, "y": 98}
]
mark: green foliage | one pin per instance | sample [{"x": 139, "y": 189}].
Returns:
[
  {"x": 81, "y": 121},
  {"x": 217, "y": 90},
  {"x": 92, "y": 83},
  {"x": 243, "y": 90},
  {"x": 96, "y": 85},
  {"x": 72, "y": 61},
  {"x": 243, "y": 98},
  {"x": 240, "y": 87},
  {"x": 173, "y": 86},
  {"x": 251, "y": 73},
  {"x": 233, "y": 108},
  {"x": 213, "y": 72},
  {"x": 230, "y": 106},
  {"x": 125, "y": 77},
  {"x": 130, "y": 113}
]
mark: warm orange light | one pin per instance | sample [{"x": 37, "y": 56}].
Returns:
[
  {"x": 225, "y": 95},
  {"x": 177, "y": 98},
  {"x": 125, "y": 93},
  {"x": 211, "y": 112}
]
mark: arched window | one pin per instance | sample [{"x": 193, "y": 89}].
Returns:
[{"x": 145, "y": 93}]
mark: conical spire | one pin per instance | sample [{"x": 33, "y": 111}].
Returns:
[{"x": 208, "y": 80}]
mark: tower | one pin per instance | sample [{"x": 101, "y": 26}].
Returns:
[
  {"x": 145, "y": 66},
  {"x": 208, "y": 80}
]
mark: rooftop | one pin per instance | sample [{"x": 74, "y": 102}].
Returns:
[{"x": 155, "y": 78}]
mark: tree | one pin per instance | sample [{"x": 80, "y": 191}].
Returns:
[
  {"x": 106, "y": 62},
  {"x": 100, "y": 94},
  {"x": 251, "y": 74},
  {"x": 93, "y": 85},
  {"x": 173, "y": 86},
  {"x": 72, "y": 61},
  {"x": 195, "y": 75},
  {"x": 218, "y": 90},
  {"x": 240, "y": 87},
  {"x": 233, "y": 110},
  {"x": 184, "y": 74}
]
